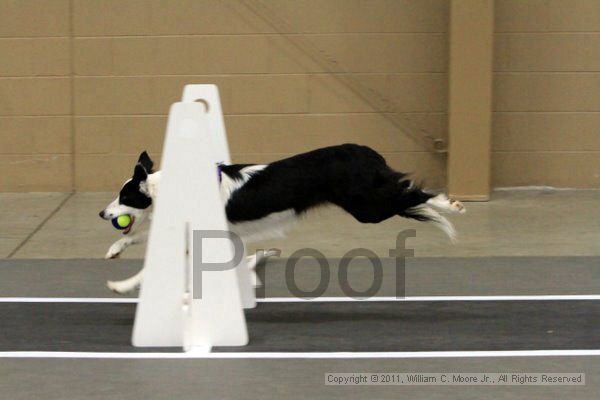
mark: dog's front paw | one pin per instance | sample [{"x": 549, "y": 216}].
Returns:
[
  {"x": 114, "y": 251},
  {"x": 112, "y": 255}
]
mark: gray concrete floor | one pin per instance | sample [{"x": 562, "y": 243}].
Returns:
[
  {"x": 423, "y": 276},
  {"x": 518, "y": 223},
  {"x": 513, "y": 223},
  {"x": 97, "y": 379}
]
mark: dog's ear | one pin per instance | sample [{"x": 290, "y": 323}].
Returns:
[
  {"x": 139, "y": 173},
  {"x": 146, "y": 162}
]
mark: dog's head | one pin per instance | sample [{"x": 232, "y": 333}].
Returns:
[{"x": 135, "y": 197}]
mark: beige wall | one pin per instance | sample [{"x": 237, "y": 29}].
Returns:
[
  {"x": 35, "y": 96},
  {"x": 87, "y": 87},
  {"x": 546, "y": 122}
]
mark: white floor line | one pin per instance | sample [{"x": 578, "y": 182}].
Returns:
[
  {"x": 117, "y": 300},
  {"x": 430, "y": 298},
  {"x": 317, "y": 300},
  {"x": 296, "y": 355}
]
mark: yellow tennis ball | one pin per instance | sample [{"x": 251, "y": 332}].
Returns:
[{"x": 122, "y": 221}]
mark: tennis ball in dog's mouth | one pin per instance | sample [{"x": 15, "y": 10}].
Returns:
[{"x": 122, "y": 221}]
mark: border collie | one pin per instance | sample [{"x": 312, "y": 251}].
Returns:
[{"x": 263, "y": 201}]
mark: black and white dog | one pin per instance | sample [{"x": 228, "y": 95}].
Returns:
[{"x": 263, "y": 201}]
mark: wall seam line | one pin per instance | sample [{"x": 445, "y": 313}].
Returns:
[{"x": 72, "y": 91}]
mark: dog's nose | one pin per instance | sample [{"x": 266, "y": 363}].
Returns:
[{"x": 101, "y": 214}]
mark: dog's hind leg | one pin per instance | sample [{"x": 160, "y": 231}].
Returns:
[
  {"x": 441, "y": 202},
  {"x": 251, "y": 262},
  {"x": 126, "y": 285},
  {"x": 422, "y": 206},
  {"x": 255, "y": 259}
]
